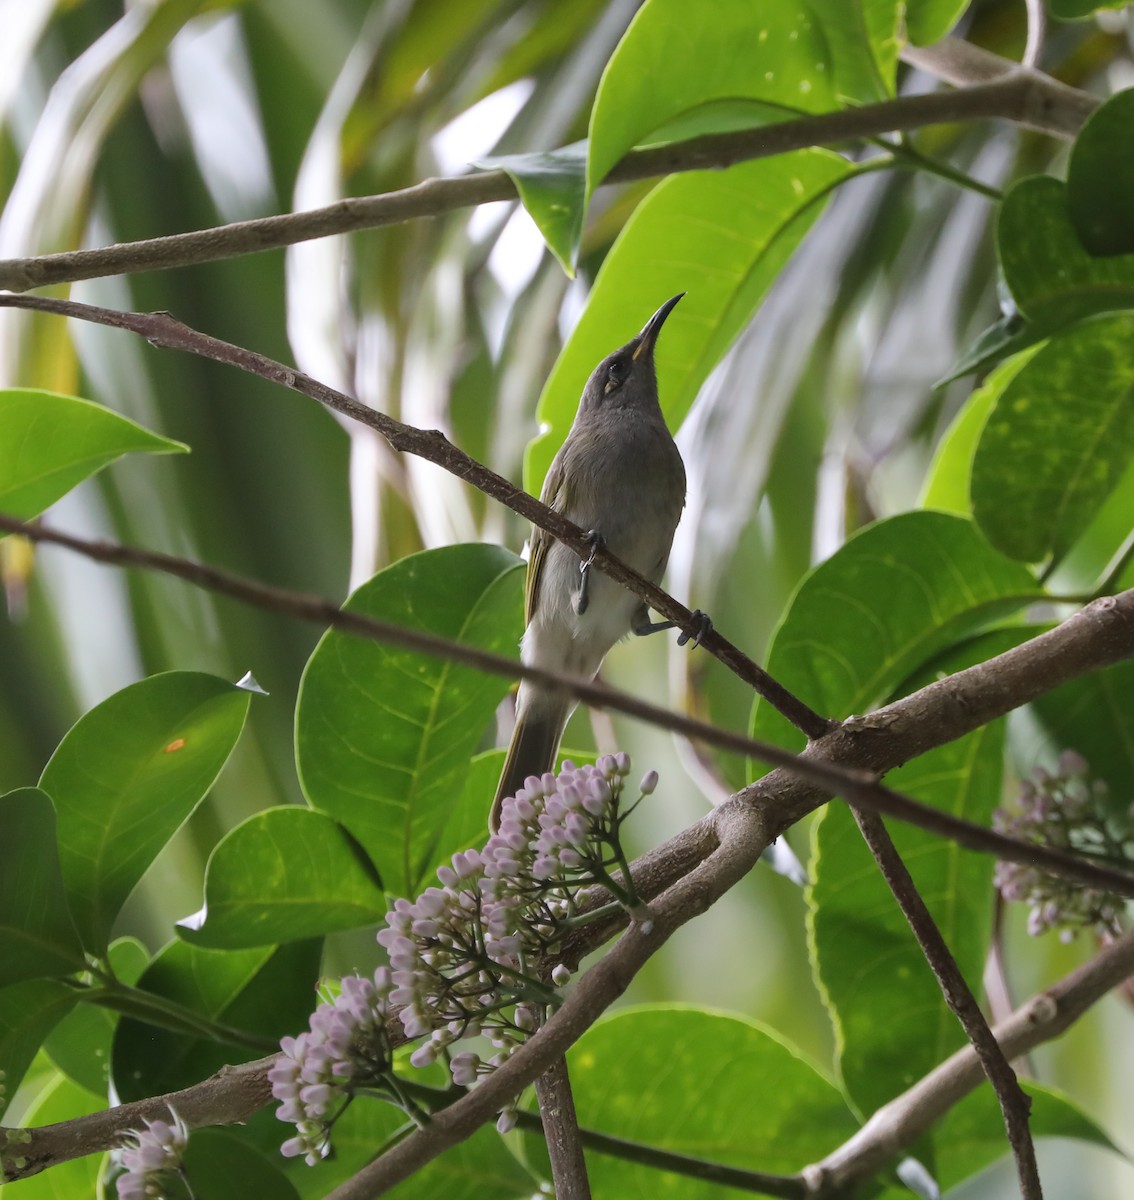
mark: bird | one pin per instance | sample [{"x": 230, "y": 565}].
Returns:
[{"x": 618, "y": 475}]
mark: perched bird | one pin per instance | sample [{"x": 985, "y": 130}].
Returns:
[{"x": 619, "y": 476}]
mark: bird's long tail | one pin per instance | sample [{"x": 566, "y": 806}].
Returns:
[{"x": 540, "y": 719}]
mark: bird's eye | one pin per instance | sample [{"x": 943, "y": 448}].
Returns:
[{"x": 616, "y": 374}]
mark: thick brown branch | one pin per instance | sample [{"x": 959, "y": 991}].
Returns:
[
  {"x": 1023, "y": 97},
  {"x": 561, "y": 1132}
]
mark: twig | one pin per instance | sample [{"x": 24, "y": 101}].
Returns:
[
  {"x": 1031, "y": 99},
  {"x": 818, "y": 770},
  {"x": 1037, "y": 27},
  {"x": 898, "y": 1124},
  {"x": 1014, "y": 1103},
  {"x": 561, "y": 1131},
  {"x": 162, "y": 329}
]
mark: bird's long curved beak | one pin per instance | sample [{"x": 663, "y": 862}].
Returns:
[{"x": 647, "y": 339}]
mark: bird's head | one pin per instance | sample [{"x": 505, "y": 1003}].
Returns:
[{"x": 626, "y": 378}]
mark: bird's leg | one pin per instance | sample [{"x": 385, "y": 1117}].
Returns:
[
  {"x": 642, "y": 626},
  {"x": 597, "y": 542}
]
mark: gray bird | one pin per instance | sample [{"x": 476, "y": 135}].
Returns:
[{"x": 619, "y": 476}]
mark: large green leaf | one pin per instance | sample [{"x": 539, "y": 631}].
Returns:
[
  {"x": 1058, "y": 441},
  {"x": 61, "y": 1100},
  {"x": 930, "y": 20},
  {"x": 898, "y": 593},
  {"x": 285, "y": 874},
  {"x": 479, "y": 1168},
  {"x": 889, "y": 1036},
  {"x": 704, "y": 1084},
  {"x": 970, "y": 1136},
  {"x": 126, "y": 777},
  {"x": 1100, "y": 178},
  {"x": 49, "y": 443},
  {"x": 1053, "y": 280},
  {"x": 384, "y": 736},
  {"x": 37, "y": 934},
  {"x": 223, "y": 1166},
  {"x": 793, "y": 56},
  {"x": 267, "y": 992},
  {"x": 720, "y": 236},
  {"x": 948, "y": 480},
  {"x": 28, "y": 1013},
  {"x": 80, "y": 1044}
]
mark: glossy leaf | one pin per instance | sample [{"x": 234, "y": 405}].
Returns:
[
  {"x": 970, "y": 1136},
  {"x": 1100, "y": 178},
  {"x": 795, "y": 56},
  {"x": 125, "y": 778},
  {"x": 479, "y": 1168},
  {"x": 685, "y": 1079},
  {"x": 28, "y": 1013},
  {"x": 949, "y": 477},
  {"x": 550, "y": 184},
  {"x": 61, "y": 1100},
  {"x": 929, "y": 21},
  {"x": 897, "y": 594},
  {"x": 282, "y": 875},
  {"x": 892, "y": 1024},
  {"x": 1091, "y": 715},
  {"x": 223, "y": 1166},
  {"x": 80, "y": 1044},
  {"x": 49, "y": 443},
  {"x": 266, "y": 993},
  {"x": 1053, "y": 280},
  {"x": 721, "y": 237},
  {"x": 383, "y": 735},
  {"x": 37, "y": 934},
  {"x": 1058, "y": 440}
]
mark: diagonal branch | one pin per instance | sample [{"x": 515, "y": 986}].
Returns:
[
  {"x": 164, "y": 330},
  {"x": 1004, "y": 92},
  {"x": 818, "y": 771}
]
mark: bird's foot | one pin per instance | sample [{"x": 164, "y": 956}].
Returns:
[
  {"x": 703, "y": 626},
  {"x": 583, "y": 599}
]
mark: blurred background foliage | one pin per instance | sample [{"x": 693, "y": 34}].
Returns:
[{"x": 169, "y": 116}]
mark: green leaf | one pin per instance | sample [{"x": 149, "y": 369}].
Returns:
[
  {"x": 61, "y": 1100},
  {"x": 889, "y": 1036},
  {"x": 705, "y": 1084},
  {"x": 49, "y": 443},
  {"x": 1058, "y": 441},
  {"x": 970, "y": 1136},
  {"x": 1011, "y": 335},
  {"x": 479, "y": 1168},
  {"x": 28, "y": 1013},
  {"x": 384, "y": 736},
  {"x": 267, "y": 993},
  {"x": 950, "y": 473},
  {"x": 223, "y": 1166},
  {"x": 1100, "y": 178},
  {"x": 285, "y": 874},
  {"x": 1053, "y": 280},
  {"x": 550, "y": 184},
  {"x": 929, "y": 21},
  {"x": 125, "y": 778},
  {"x": 1079, "y": 10},
  {"x": 898, "y": 593},
  {"x": 1092, "y": 715},
  {"x": 37, "y": 934},
  {"x": 80, "y": 1044},
  {"x": 720, "y": 236},
  {"x": 794, "y": 56}
]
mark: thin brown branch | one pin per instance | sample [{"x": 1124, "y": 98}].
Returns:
[
  {"x": 1027, "y": 98},
  {"x": 1014, "y": 1103},
  {"x": 164, "y": 330},
  {"x": 897, "y": 1125},
  {"x": 561, "y": 1132},
  {"x": 817, "y": 771}
]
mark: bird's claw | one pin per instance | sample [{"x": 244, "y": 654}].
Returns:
[
  {"x": 704, "y": 625},
  {"x": 583, "y": 599}
]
